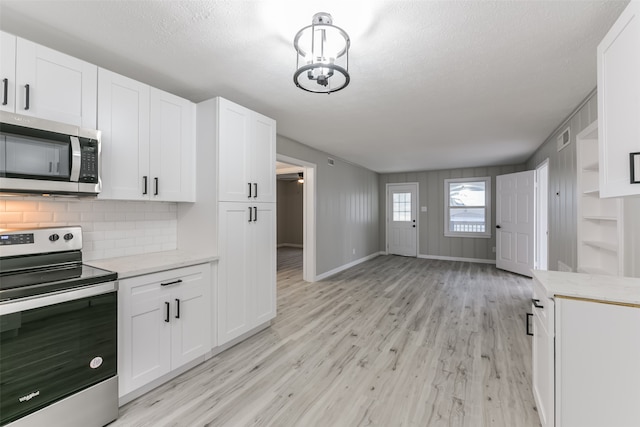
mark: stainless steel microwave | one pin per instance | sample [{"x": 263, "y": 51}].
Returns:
[{"x": 45, "y": 157}]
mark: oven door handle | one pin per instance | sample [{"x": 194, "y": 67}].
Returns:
[
  {"x": 76, "y": 158},
  {"x": 56, "y": 298}
]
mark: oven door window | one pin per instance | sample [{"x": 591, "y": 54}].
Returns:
[
  {"x": 51, "y": 352},
  {"x": 32, "y": 157}
]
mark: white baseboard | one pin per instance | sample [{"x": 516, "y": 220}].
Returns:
[
  {"x": 347, "y": 266},
  {"x": 290, "y": 245},
  {"x": 453, "y": 258}
]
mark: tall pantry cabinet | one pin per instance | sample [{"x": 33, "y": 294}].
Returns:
[{"x": 235, "y": 216}]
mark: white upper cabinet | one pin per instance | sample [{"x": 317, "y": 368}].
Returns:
[
  {"x": 619, "y": 104},
  {"x": 246, "y": 147},
  {"x": 8, "y": 71},
  {"x": 54, "y": 86},
  {"x": 123, "y": 118},
  {"x": 148, "y": 141},
  {"x": 173, "y": 147}
]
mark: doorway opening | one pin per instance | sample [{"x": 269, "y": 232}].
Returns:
[
  {"x": 402, "y": 219},
  {"x": 296, "y": 211},
  {"x": 542, "y": 216}
]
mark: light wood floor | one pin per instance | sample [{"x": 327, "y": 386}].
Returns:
[{"x": 391, "y": 342}]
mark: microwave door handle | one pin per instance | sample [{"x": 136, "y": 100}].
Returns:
[{"x": 76, "y": 158}]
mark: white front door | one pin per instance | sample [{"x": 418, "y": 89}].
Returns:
[
  {"x": 515, "y": 221},
  {"x": 402, "y": 226}
]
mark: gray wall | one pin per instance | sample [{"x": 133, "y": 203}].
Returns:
[
  {"x": 346, "y": 207},
  {"x": 562, "y": 184},
  {"x": 289, "y": 212},
  {"x": 431, "y": 238}
]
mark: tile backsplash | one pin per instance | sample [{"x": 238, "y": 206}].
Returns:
[{"x": 110, "y": 228}]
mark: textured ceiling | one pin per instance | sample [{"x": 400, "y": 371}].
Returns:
[{"x": 434, "y": 84}]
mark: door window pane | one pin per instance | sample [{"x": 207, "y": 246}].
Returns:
[{"x": 401, "y": 206}]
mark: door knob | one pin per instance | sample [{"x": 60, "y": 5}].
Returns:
[{"x": 497, "y": 226}]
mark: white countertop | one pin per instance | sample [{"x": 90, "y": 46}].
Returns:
[
  {"x": 590, "y": 286},
  {"x": 137, "y": 265}
]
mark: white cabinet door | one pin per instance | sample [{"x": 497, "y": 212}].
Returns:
[
  {"x": 597, "y": 369},
  {"x": 145, "y": 336},
  {"x": 247, "y": 152},
  {"x": 234, "y": 145},
  {"x": 172, "y": 155},
  {"x": 7, "y": 72},
  {"x": 263, "y": 245},
  {"x": 262, "y": 155},
  {"x": 543, "y": 361},
  {"x": 234, "y": 270},
  {"x": 123, "y": 118},
  {"x": 619, "y": 103},
  {"x": 190, "y": 316},
  {"x": 55, "y": 86}
]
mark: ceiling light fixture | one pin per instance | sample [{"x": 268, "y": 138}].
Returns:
[
  {"x": 300, "y": 177},
  {"x": 322, "y": 60}
]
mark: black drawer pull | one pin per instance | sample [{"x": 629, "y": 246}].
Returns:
[
  {"x": 175, "y": 282},
  {"x": 255, "y": 190},
  {"x": 167, "y": 307},
  {"x": 249, "y": 189},
  {"x": 536, "y": 303},
  {"x": 255, "y": 213},
  {"x": 26, "y": 104},
  {"x": 145, "y": 183},
  {"x": 157, "y": 186},
  {"x": 177, "y": 308},
  {"x": 527, "y": 324},
  {"x": 5, "y": 99}
]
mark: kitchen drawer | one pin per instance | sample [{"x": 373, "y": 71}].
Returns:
[{"x": 543, "y": 306}]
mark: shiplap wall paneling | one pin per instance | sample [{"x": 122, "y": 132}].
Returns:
[
  {"x": 562, "y": 184},
  {"x": 432, "y": 241},
  {"x": 346, "y": 207}
]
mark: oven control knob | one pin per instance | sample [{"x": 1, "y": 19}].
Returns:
[
  {"x": 68, "y": 236},
  {"x": 54, "y": 237}
]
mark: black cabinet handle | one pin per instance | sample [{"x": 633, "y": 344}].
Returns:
[
  {"x": 145, "y": 184},
  {"x": 5, "y": 84},
  {"x": 250, "y": 220},
  {"x": 527, "y": 326},
  {"x": 157, "y": 184},
  {"x": 536, "y": 303},
  {"x": 255, "y": 188},
  {"x": 175, "y": 282},
  {"x": 167, "y": 307},
  {"x": 177, "y": 308},
  {"x": 255, "y": 214},
  {"x": 26, "y": 104},
  {"x": 248, "y": 183}
]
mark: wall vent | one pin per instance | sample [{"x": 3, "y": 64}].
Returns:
[
  {"x": 330, "y": 161},
  {"x": 564, "y": 138}
]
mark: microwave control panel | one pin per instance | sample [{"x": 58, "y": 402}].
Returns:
[{"x": 89, "y": 160}]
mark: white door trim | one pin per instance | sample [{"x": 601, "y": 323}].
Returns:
[
  {"x": 542, "y": 217},
  {"x": 386, "y": 209},
  {"x": 308, "y": 216}
]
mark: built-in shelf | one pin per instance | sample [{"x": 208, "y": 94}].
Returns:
[
  {"x": 600, "y": 218},
  {"x": 611, "y": 247},
  {"x": 599, "y": 230}
]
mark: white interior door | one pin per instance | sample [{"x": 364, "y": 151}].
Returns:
[
  {"x": 515, "y": 222},
  {"x": 402, "y": 226}
]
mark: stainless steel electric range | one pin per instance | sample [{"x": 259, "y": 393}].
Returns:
[{"x": 58, "y": 332}]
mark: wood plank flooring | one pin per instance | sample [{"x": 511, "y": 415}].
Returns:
[{"x": 394, "y": 341}]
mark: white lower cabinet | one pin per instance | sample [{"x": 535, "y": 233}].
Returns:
[
  {"x": 543, "y": 355},
  {"x": 164, "y": 323},
  {"x": 586, "y": 361},
  {"x": 246, "y": 275},
  {"x": 597, "y": 364}
]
